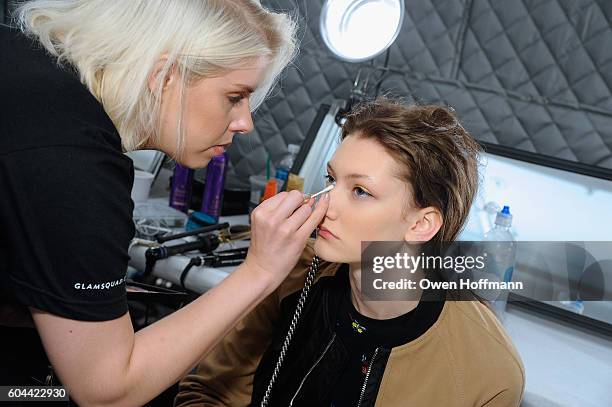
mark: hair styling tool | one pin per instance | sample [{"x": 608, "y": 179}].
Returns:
[
  {"x": 206, "y": 229},
  {"x": 224, "y": 258},
  {"x": 205, "y": 244}
]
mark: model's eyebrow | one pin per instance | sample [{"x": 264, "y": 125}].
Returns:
[
  {"x": 245, "y": 88},
  {"x": 350, "y": 176}
]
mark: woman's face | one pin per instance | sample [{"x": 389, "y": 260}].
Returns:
[
  {"x": 367, "y": 202},
  {"x": 214, "y": 109}
]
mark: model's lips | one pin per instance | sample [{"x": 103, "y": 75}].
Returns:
[{"x": 326, "y": 233}]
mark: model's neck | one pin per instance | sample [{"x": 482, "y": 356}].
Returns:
[{"x": 379, "y": 309}]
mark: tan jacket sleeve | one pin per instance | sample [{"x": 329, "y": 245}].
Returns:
[
  {"x": 506, "y": 398},
  {"x": 512, "y": 395},
  {"x": 225, "y": 376}
]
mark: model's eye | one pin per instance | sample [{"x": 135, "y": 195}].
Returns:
[
  {"x": 360, "y": 192},
  {"x": 329, "y": 179},
  {"x": 234, "y": 100}
]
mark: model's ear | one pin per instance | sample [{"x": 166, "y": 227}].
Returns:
[
  {"x": 157, "y": 79},
  {"x": 425, "y": 224}
]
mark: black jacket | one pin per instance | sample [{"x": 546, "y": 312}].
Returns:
[{"x": 316, "y": 356}]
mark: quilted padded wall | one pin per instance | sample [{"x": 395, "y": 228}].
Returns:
[{"x": 532, "y": 75}]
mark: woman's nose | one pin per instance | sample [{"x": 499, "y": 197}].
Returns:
[
  {"x": 332, "y": 209},
  {"x": 243, "y": 122}
]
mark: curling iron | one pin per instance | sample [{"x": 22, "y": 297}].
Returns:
[{"x": 205, "y": 244}]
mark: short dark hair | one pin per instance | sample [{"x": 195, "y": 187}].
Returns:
[{"x": 438, "y": 157}]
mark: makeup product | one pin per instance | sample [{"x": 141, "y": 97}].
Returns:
[
  {"x": 285, "y": 165},
  {"x": 295, "y": 182},
  {"x": 180, "y": 192},
  {"x": 213, "y": 188},
  {"x": 324, "y": 190},
  {"x": 270, "y": 190}
]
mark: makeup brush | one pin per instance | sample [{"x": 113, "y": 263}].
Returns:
[{"x": 324, "y": 190}]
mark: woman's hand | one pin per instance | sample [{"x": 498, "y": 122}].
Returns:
[{"x": 280, "y": 227}]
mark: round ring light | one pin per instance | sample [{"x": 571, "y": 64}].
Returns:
[{"x": 358, "y": 30}]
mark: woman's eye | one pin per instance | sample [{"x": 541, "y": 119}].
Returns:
[
  {"x": 329, "y": 179},
  {"x": 361, "y": 193},
  {"x": 234, "y": 100}
]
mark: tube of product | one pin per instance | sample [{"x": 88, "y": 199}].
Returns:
[
  {"x": 180, "y": 192},
  {"x": 213, "y": 187}
]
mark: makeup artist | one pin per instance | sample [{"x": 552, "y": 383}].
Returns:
[{"x": 81, "y": 82}]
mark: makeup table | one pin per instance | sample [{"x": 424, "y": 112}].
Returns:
[{"x": 564, "y": 365}]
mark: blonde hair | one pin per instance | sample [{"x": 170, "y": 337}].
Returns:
[{"x": 115, "y": 45}]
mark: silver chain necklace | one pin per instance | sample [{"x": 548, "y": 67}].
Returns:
[{"x": 313, "y": 269}]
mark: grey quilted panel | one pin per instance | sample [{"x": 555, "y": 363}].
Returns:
[
  {"x": 534, "y": 75},
  {"x": 552, "y": 48}
]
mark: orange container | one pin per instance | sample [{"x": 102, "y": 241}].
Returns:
[{"x": 270, "y": 190}]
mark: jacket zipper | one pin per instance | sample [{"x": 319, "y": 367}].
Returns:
[
  {"x": 312, "y": 368},
  {"x": 365, "y": 382}
]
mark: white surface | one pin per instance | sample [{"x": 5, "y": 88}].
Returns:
[{"x": 564, "y": 366}]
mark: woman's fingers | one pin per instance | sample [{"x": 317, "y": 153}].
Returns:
[
  {"x": 279, "y": 230},
  {"x": 315, "y": 217},
  {"x": 274, "y": 201},
  {"x": 300, "y": 215},
  {"x": 291, "y": 202}
]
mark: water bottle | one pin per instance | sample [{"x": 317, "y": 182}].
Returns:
[
  {"x": 501, "y": 250},
  {"x": 576, "y": 306},
  {"x": 285, "y": 165}
]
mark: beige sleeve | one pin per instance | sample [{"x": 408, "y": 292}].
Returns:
[
  {"x": 514, "y": 383},
  {"x": 225, "y": 376},
  {"x": 506, "y": 398}
]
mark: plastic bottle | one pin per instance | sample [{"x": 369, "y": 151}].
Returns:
[
  {"x": 212, "y": 198},
  {"x": 180, "y": 192},
  {"x": 502, "y": 249},
  {"x": 213, "y": 187},
  {"x": 576, "y": 305},
  {"x": 286, "y": 163}
]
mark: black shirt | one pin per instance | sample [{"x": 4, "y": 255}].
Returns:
[
  {"x": 362, "y": 335},
  {"x": 65, "y": 207}
]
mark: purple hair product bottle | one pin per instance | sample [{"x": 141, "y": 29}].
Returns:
[
  {"x": 180, "y": 192},
  {"x": 213, "y": 188}
]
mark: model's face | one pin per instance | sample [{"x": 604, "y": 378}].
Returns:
[
  {"x": 366, "y": 203},
  {"x": 214, "y": 109}
]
